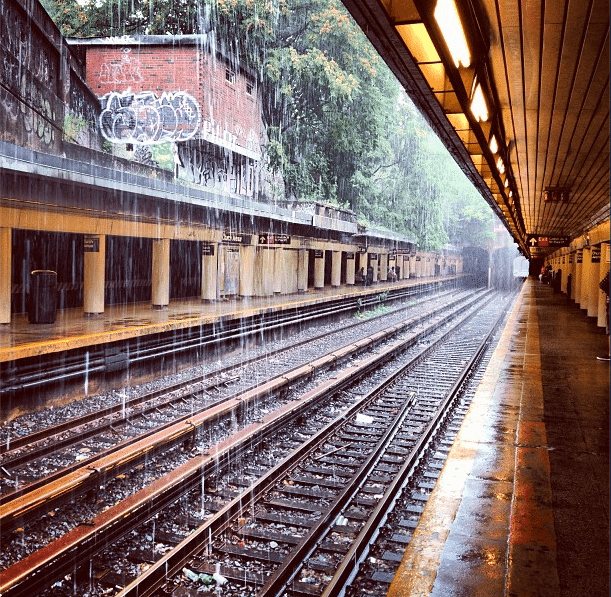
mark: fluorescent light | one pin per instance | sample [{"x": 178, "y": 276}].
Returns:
[
  {"x": 500, "y": 165},
  {"x": 494, "y": 146},
  {"x": 478, "y": 104},
  {"x": 448, "y": 20}
]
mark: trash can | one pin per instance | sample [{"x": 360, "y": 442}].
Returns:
[{"x": 42, "y": 300}]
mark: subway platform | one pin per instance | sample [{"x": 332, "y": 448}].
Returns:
[
  {"x": 521, "y": 508},
  {"x": 72, "y": 329}
]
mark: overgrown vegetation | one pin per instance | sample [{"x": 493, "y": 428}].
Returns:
[{"x": 340, "y": 128}]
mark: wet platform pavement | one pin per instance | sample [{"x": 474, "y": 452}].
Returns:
[
  {"x": 521, "y": 508},
  {"x": 21, "y": 339}
]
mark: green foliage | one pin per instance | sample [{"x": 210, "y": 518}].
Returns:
[{"x": 340, "y": 128}]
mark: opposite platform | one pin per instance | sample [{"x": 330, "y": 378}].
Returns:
[
  {"x": 72, "y": 329},
  {"x": 521, "y": 507}
]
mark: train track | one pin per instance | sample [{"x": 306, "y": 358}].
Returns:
[
  {"x": 182, "y": 403},
  {"x": 37, "y": 570},
  {"x": 36, "y": 374}
]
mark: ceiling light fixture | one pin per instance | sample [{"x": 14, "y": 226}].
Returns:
[
  {"x": 494, "y": 146},
  {"x": 448, "y": 20},
  {"x": 478, "y": 104}
]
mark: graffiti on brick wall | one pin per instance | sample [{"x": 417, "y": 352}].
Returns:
[
  {"x": 126, "y": 71},
  {"x": 235, "y": 173},
  {"x": 145, "y": 118},
  {"x": 23, "y": 47},
  {"x": 28, "y": 70}
]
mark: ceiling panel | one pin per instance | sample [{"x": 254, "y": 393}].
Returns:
[{"x": 545, "y": 67}]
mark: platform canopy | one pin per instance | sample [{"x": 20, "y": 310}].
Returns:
[{"x": 518, "y": 93}]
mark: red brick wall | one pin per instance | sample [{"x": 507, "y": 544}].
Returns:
[{"x": 227, "y": 110}]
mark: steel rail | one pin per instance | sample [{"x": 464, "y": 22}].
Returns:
[
  {"x": 32, "y": 500},
  {"x": 358, "y": 551},
  {"x": 233, "y": 331},
  {"x": 50, "y": 562},
  {"x": 153, "y": 579},
  {"x": 30, "y": 438}
]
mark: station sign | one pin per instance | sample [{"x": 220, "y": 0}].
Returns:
[
  {"x": 91, "y": 244},
  {"x": 362, "y": 249},
  {"x": 318, "y": 254},
  {"x": 350, "y": 255},
  {"x": 548, "y": 241},
  {"x": 208, "y": 249},
  {"x": 267, "y": 238},
  {"x": 579, "y": 257},
  {"x": 595, "y": 255},
  {"x": 235, "y": 238}
]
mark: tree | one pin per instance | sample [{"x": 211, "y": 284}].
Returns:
[{"x": 340, "y": 129}]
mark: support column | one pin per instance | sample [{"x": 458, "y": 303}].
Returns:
[
  {"x": 94, "y": 272},
  {"x": 247, "y": 270},
  {"x": 375, "y": 264},
  {"x": 594, "y": 281},
  {"x": 383, "y": 266},
  {"x": 160, "y": 280},
  {"x": 336, "y": 268},
  {"x": 585, "y": 278},
  {"x": 209, "y": 288},
  {"x": 279, "y": 273},
  {"x": 577, "y": 278},
  {"x": 319, "y": 269},
  {"x": 302, "y": 271},
  {"x": 350, "y": 268},
  {"x": 6, "y": 259},
  {"x": 605, "y": 251}
]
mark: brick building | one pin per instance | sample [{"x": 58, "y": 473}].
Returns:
[{"x": 171, "y": 89}]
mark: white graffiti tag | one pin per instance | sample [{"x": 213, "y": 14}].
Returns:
[{"x": 145, "y": 118}]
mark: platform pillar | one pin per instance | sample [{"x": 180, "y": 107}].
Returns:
[
  {"x": 160, "y": 281},
  {"x": 279, "y": 270},
  {"x": 565, "y": 272},
  {"x": 319, "y": 270},
  {"x": 586, "y": 267},
  {"x": 577, "y": 277},
  {"x": 6, "y": 250},
  {"x": 375, "y": 263},
  {"x": 350, "y": 268},
  {"x": 209, "y": 288},
  {"x": 247, "y": 271},
  {"x": 336, "y": 268},
  {"x": 605, "y": 250},
  {"x": 302, "y": 270},
  {"x": 94, "y": 272},
  {"x": 383, "y": 266},
  {"x": 593, "y": 281}
]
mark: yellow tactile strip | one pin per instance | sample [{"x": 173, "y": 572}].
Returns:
[{"x": 487, "y": 529}]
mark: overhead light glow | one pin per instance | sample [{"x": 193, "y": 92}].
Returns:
[
  {"x": 478, "y": 104},
  {"x": 500, "y": 166},
  {"x": 494, "y": 146},
  {"x": 448, "y": 20}
]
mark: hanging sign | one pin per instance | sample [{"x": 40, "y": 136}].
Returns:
[
  {"x": 595, "y": 254},
  {"x": 579, "y": 257},
  {"x": 350, "y": 255},
  {"x": 235, "y": 238},
  {"x": 91, "y": 244},
  {"x": 318, "y": 254},
  {"x": 207, "y": 249},
  {"x": 267, "y": 238}
]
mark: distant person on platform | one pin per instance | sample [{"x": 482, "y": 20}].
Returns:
[{"x": 604, "y": 286}]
